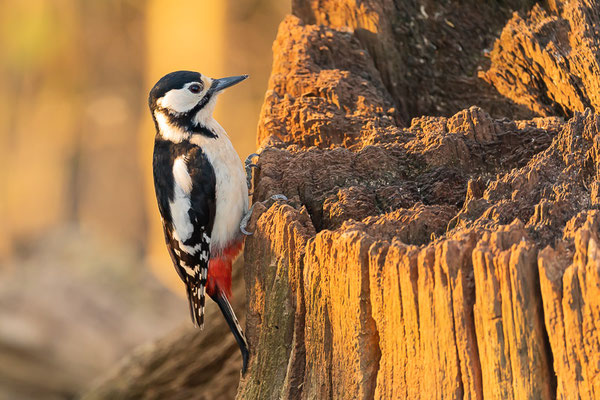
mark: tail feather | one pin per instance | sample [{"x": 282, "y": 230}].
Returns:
[
  {"x": 196, "y": 299},
  {"x": 234, "y": 326}
]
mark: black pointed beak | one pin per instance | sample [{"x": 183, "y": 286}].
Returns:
[{"x": 224, "y": 83}]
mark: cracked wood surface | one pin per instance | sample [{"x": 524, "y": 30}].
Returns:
[{"x": 439, "y": 257}]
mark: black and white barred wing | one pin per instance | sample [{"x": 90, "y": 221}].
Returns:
[
  {"x": 192, "y": 267},
  {"x": 192, "y": 213}
]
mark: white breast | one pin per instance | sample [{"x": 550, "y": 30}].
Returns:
[{"x": 231, "y": 189}]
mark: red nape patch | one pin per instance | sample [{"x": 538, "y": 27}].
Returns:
[{"x": 219, "y": 270}]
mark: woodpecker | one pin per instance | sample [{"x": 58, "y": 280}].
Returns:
[{"x": 201, "y": 189}]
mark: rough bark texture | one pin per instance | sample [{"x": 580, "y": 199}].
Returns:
[
  {"x": 548, "y": 59},
  {"x": 443, "y": 257},
  {"x": 424, "y": 53},
  {"x": 449, "y": 256},
  {"x": 571, "y": 292}
]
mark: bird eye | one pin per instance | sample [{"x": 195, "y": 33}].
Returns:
[{"x": 195, "y": 88}]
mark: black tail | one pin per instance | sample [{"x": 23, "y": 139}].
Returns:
[
  {"x": 196, "y": 299},
  {"x": 235, "y": 327}
]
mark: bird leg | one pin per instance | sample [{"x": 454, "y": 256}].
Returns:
[
  {"x": 248, "y": 215},
  {"x": 248, "y": 164},
  {"x": 245, "y": 220}
]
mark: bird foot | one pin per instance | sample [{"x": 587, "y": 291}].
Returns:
[
  {"x": 248, "y": 215},
  {"x": 281, "y": 197},
  {"x": 248, "y": 165},
  {"x": 245, "y": 220}
]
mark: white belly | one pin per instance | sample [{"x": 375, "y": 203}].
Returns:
[{"x": 231, "y": 189}]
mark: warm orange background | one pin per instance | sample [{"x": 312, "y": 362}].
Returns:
[
  {"x": 77, "y": 207},
  {"x": 75, "y": 134}
]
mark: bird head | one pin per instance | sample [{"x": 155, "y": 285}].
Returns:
[{"x": 186, "y": 99}]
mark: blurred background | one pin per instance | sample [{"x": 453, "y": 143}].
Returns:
[{"x": 84, "y": 273}]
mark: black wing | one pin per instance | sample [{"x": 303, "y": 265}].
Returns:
[
  {"x": 190, "y": 255},
  {"x": 203, "y": 197}
]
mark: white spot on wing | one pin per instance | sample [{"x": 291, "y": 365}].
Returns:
[
  {"x": 181, "y": 204},
  {"x": 204, "y": 256},
  {"x": 181, "y": 174},
  {"x": 190, "y": 271},
  {"x": 179, "y": 213}
]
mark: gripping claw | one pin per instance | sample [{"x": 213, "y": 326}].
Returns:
[
  {"x": 248, "y": 166},
  {"x": 246, "y": 218},
  {"x": 279, "y": 197},
  {"x": 250, "y": 157},
  {"x": 244, "y": 221}
]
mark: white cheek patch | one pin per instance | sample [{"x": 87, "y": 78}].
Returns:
[
  {"x": 182, "y": 100},
  {"x": 179, "y": 100}
]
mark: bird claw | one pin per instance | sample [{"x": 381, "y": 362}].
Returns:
[
  {"x": 246, "y": 218},
  {"x": 244, "y": 221},
  {"x": 248, "y": 166},
  {"x": 250, "y": 157}
]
